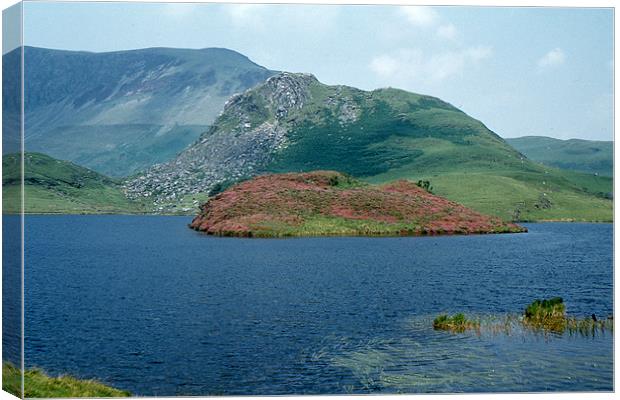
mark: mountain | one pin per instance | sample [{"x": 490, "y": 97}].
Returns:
[
  {"x": 123, "y": 111},
  {"x": 294, "y": 123},
  {"x": 55, "y": 186},
  {"x": 588, "y": 156},
  {"x": 330, "y": 203}
]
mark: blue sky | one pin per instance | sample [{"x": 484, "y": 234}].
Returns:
[{"x": 522, "y": 71}]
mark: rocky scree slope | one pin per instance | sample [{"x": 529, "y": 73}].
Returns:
[{"x": 240, "y": 144}]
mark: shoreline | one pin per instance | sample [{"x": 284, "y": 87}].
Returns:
[
  {"x": 561, "y": 220},
  {"x": 350, "y": 235}
]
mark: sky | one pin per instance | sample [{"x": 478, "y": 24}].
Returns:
[{"x": 521, "y": 71}]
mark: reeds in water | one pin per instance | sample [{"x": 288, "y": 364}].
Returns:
[
  {"x": 456, "y": 323},
  {"x": 547, "y": 316}
]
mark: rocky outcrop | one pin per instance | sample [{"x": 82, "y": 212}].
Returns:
[
  {"x": 330, "y": 203},
  {"x": 239, "y": 145}
]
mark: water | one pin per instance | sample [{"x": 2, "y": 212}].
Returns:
[{"x": 147, "y": 305}]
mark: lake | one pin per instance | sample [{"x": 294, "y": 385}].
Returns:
[{"x": 147, "y": 305}]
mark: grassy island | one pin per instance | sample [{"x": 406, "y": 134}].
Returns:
[
  {"x": 328, "y": 203},
  {"x": 39, "y": 385}
]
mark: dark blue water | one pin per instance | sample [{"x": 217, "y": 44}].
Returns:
[
  {"x": 147, "y": 305},
  {"x": 11, "y": 289}
]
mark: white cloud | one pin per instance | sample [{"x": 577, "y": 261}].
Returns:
[
  {"x": 273, "y": 19},
  {"x": 246, "y": 15},
  {"x": 420, "y": 15},
  {"x": 427, "y": 63},
  {"x": 413, "y": 65},
  {"x": 385, "y": 65},
  {"x": 427, "y": 17},
  {"x": 478, "y": 53},
  {"x": 447, "y": 31},
  {"x": 553, "y": 58}
]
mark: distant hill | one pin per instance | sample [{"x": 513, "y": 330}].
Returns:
[
  {"x": 120, "y": 112},
  {"x": 294, "y": 123},
  {"x": 589, "y": 156},
  {"x": 55, "y": 186},
  {"x": 330, "y": 203}
]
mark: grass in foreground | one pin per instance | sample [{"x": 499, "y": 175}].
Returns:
[{"x": 38, "y": 385}]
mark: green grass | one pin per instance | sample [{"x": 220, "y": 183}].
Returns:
[
  {"x": 319, "y": 225},
  {"x": 39, "y": 385},
  {"x": 519, "y": 198},
  {"x": 589, "y": 156},
  {"x": 54, "y": 186},
  {"x": 504, "y": 185},
  {"x": 457, "y": 323}
]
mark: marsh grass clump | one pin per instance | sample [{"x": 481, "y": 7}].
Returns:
[
  {"x": 546, "y": 314},
  {"x": 457, "y": 323},
  {"x": 39, "y": 385},
  {"x": 549, "y": 315}
]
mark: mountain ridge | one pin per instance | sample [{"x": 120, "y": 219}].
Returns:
[
  {"x": 120, "y": 112},
  {"x": 270, "y": 122}
]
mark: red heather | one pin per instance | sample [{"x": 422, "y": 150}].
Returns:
[{"x": 268, "y": 204}]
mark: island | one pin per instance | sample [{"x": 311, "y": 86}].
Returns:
[{"x": 330, "y": 203}]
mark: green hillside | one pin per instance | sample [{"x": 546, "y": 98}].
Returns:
[
  {"x": 379, "y": 136},
  {"x": 54, "y": 186},
  {"x": 588, "y": 156},
  {"x": 402, "y": 135}
]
